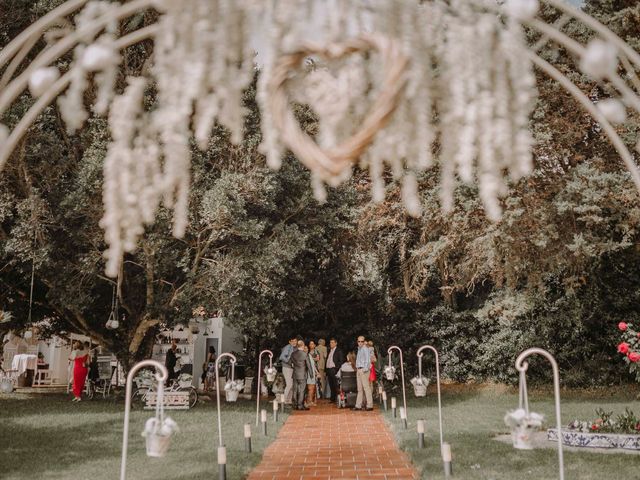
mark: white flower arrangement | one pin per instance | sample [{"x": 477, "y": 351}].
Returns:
[
  {"x": 234, "y": 385},
  {"x": 519, "y": 418}
]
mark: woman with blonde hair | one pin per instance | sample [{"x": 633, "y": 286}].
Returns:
[
  {"x": 81, "y": 361},
  {"x": 312, "y": 373}
]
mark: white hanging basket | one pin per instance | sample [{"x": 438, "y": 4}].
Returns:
[
  {"x": 522, "y": 435},
  {"x": 270, "y": 373},
  {"x": 6, "y": 385},
  {"x": 157, "y": 445},
  {"x": 420, "y": 385},
  {"x": 523, "y": 425},
  {"x": 390, "y": 373},
  {"x": 231, "y": 395}
]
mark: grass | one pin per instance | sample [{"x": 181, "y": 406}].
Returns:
[
  {"x": 472, "y": 419},
  {"x": 46, "y": 436}
]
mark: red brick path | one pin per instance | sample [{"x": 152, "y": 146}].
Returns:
[{"x": 326, "y": 443}]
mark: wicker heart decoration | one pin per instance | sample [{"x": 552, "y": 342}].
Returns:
[{"x": 332, "y": 163}]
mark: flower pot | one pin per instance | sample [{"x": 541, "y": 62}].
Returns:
[
  {"x": 271, "y": 374},
  {"x": 390, "y": 373},
  {"x": 157, "y": 445},
  {"x": 6, "y": 385},
  {"x": 231, "y": 395},
  {"x": 522, "y": 435},
  {"x": 420, "y": 390}
]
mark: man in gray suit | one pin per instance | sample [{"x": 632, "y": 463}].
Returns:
[{"x": 299, "y": 365}]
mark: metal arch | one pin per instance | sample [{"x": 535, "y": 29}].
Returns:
[
  {"x": 233, "y": 371},
  {"x": 404, "y": 392},
  {"x": 38, "y": 27},
  {"x": 18, "y": 84},
  {"x": 259, "y": 388},
  {"x": 522, "y": 367},
  {"x": 54, "y": 90},
  {"x": 160, "y": 378},
  {"x": 420, "y": 355}
]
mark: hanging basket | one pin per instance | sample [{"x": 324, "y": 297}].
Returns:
[
  {"x": 6, "y": 385},
  {"x": 232, "y": 395},
  {"x": 157, "y": 445},
  {"x": 334, "y": 162},
  {"x": 390, "y": 373},
  {"x": 270, "y": 373},
  {"x": 420, "y": 385},
  {"x": 523, "y": 425}
]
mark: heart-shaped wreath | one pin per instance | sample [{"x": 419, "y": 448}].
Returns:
[{"x": 331, "y": 163}]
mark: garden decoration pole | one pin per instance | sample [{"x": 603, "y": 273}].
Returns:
[
  {"x": 259, "y": 389},
  {"x": 222, "y": 451},
  {"x": 275, "y": 411},
  {"x": 161, "y": 377},
  {"x": 263, "y": 419},
  {"x": 522, "y": 366},
  {"x": 404, "y": 393},
  {"x": 384, "y": 400},
  {"x": 420, "y": 428},
  {"x": 247, "y": 437},
  {"x": 420, "y": 355}
]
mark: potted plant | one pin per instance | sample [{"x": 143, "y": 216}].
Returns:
[
  {"x": 232, "y": 389},
  {"x": 390, "y": 372},
  {"x": 420, "y": 385},
  {"x": 158, "y": 435},
  {"x": 523, "y": 424}
]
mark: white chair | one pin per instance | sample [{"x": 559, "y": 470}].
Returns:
[{"x": 42, "y": 377}]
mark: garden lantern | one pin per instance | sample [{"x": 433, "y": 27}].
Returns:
[
  {"x": 390, "y": 373},
  {"x": 158, "y": 429},
  {"x": 247, "y": 437},
  {"x": 522, "y": 422},
  {"x": 404, "y": 393},
  {"x": 420, "y": 429},
  {"x": 222, "y": 452},
  {"x": 447, "y": 459},
  {"x": 270, "y": 369},
  {"x": 419, "y": 354}
]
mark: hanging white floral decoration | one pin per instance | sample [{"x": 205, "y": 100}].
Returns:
[{"x": 390, "y": 81}]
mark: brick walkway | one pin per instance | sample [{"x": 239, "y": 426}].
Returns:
[{"x": 330, "y": 444}]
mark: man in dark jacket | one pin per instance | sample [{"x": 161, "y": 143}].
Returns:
[
  {"x": 299, "y": 365},
  {"x": 335, "y": 359},
  {"x": 171, "y": 360}
]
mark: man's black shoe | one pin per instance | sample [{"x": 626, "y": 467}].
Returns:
[
  {"x": 369, "y": 409},
  {"x": 356, "y": 409},
  {"x": 305, "y": 408}
]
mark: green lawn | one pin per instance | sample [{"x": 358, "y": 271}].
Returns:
[
  {"x": 48, "y": 437},
  {"x": 473, "y": 417}
]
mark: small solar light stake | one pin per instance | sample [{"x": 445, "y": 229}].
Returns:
[
  {"x": 420, "y": 427},
  {"x": 222, "y": 463},
  {"x": 446, "y": 458},
  {"x": 403, "y": 417},
  {"x": 275, "y": 411},
  {"x": 380, "y": 390},
  {"x": 384, "y": 400},
  {"x": 393, "y": 407},
  {"x": 263, "y": 419},
  {"x": 282, "y": 402},
  {"x": 247, "y": 437}
]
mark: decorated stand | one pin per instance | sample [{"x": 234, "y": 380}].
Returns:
[
  {"x": 158, "y": 429},
  {"x": 270, "y": 373},
  {"x": 521, "y": 421},
  {"x": 222, "y": 451},
  {"x": 420, "y": 377},
  {"x": 389, "y": 368}
]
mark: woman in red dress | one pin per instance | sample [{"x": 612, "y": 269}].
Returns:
[{"x": 80, "y": 359}]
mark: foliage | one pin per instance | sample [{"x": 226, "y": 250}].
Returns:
[{"x": 626, "y": 422}]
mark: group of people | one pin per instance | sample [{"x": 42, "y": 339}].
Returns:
[{"x": 310, "y": 369}]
